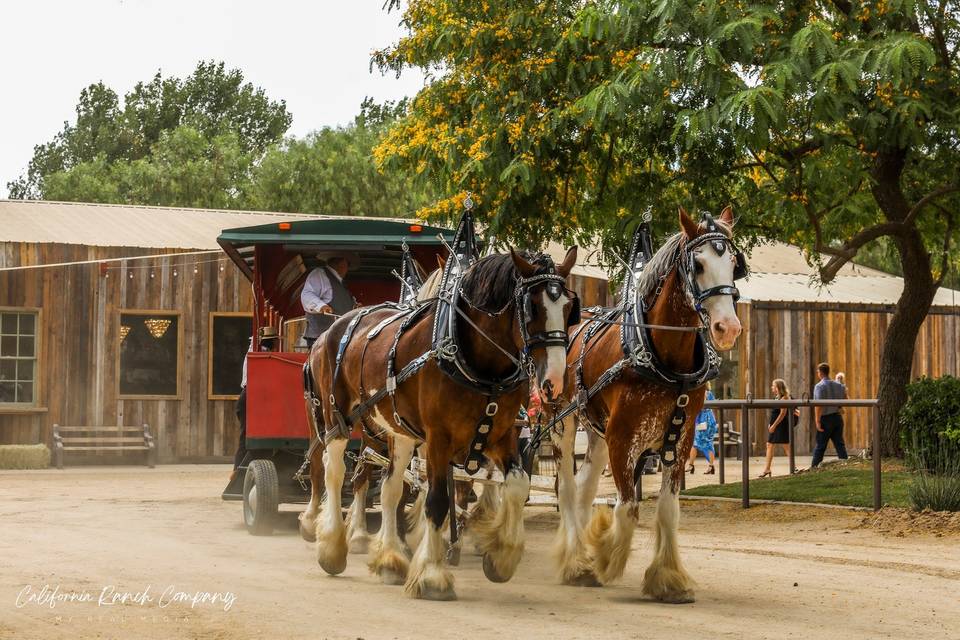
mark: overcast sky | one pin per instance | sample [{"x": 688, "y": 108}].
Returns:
[{"x": 315, "y": 55}]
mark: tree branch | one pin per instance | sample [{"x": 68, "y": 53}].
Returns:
[
  {"x": 848, "y": 251},
  {"x": 606, "y": 168},
  {"x": 927, "y": 199},
  {"x": 945, "y": 257}
]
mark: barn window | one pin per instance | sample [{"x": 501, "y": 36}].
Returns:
[
  {"x": 229, "y": 341},
  {"x": 149, "y": 354},
  {"x": 18, "y": 357}
]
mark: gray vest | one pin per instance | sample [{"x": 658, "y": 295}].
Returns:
[{"x": 341, "y": 303}]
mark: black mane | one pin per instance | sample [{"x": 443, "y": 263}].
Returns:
[{"x": 490, "y": 282}]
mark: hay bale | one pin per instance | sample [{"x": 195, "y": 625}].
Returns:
[{"x": 24, "y": 456}]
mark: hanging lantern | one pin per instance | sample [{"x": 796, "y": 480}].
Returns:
[{"x": 157, "y": 326}]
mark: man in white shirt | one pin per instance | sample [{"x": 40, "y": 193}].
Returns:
[{"x": 324, "y": 297}]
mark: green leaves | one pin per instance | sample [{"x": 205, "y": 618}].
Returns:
[
  {"x": 901, "y": 59},
  {"x": 213, "y": 101}
]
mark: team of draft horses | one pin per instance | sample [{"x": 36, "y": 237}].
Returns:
[{"x": 446, "y": 374}]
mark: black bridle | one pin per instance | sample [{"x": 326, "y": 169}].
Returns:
[
  {"x": 687, "y": 265},
  {"x": 554, "y": 287}
]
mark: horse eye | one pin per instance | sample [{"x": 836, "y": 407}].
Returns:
[{"x": 698, "y": 268}]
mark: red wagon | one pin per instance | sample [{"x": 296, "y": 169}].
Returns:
[{"x": 277, "y": 258}]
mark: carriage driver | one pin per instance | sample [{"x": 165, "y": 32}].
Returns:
[{"x": 325, "y": 297}]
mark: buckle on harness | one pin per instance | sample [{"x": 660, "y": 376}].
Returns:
[
  {"x": 683, "y": 400},
  {"x": 391, "y": 384},
  {"x": 492, "y": 409}
]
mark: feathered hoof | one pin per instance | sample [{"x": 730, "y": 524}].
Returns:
[
  {"x": 440, "y": 595},
  {"x": 308, "y": 530},
  {"x": 668, "y": 585},
  {"x": 332, "y": 552},
  {"x": 391, "y": 577},
  {"x": 360, "y": 544},
  {"x": 583, "y": 579},
  {"x": 490, "y": 570},
  {"x": 332, "y": 565},
  {"x": 685, "y": 597}
]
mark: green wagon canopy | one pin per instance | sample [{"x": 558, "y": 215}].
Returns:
[{"x": 277, "y": 257}]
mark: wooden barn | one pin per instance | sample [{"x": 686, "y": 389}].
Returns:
[
  {"x": 791, "y": 325},
  {"x": 121, "y": 315}
]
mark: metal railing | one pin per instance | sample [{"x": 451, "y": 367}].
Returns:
[{"x": 746, "y": 405}]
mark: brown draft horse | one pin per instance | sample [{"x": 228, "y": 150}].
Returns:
[
  {"x": 445, "y": 413},
  {"x": 635, "y": 412},
  {"x": 357, "y": 534}
]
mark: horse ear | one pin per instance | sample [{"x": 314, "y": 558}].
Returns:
[
  {"x": 727, "y": 215},
  {"x": 568, "y": 262},
  {"x": 690, "y": 228},
  {"x": 525, "y": 268}
]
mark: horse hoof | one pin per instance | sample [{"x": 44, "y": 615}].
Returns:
[
  {"x": 490, "y": 571},
  {"x": 391, "y": 577},
  {"x": 683, "y": 597},
  {"x": 585, "y": 579},
  {"x": 333, "y": 566},
  {"x": 360, "y": 544},
  {"x": 439, "y": 595}
]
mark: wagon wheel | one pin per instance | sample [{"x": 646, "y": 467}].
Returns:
[{"x": 261, "y": 497}]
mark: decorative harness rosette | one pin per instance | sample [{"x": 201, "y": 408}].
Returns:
[{"x": 636, "y": 341}]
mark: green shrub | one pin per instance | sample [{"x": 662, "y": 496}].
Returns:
[
  {"x": 930, "y": 424},
  {"x": 939, "y": 490},
  {"x": 24, "y": 456}
]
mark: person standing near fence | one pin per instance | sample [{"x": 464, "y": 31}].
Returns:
[
  {"x": 781, "y": 422},
  {"x": 706, "y": 430},
  {"x": 829, "y": 421}
]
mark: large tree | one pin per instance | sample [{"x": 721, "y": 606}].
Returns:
[
  {"x": 332, "y": 171},
  {"x": 830, "y": 124},
  {"x": 213, "y": 104}
]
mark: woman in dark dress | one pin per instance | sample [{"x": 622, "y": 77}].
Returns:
[{"x": 778, "y": 428}]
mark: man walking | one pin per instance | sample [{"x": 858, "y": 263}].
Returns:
[
  {"x": 324, "y": 297},
  {"x": 829, "y": 420}
]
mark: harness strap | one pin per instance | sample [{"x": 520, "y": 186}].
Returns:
[
  {"x": 668, "y": 449},
  {"x": 475, "y": 457}
]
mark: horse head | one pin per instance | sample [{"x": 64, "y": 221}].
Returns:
[
  {"x": 545, "y": 308},
  {"x": 710, "y": 263}
]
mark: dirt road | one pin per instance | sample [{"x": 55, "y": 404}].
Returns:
[{"x": 770, "y": 572}]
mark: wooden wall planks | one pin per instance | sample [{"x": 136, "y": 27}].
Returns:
[
  {"x": 790, "y": 340},
  {"x": 79, "y": 339}
]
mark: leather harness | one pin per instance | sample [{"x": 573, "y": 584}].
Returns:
[{"x": 445, "y": 345}]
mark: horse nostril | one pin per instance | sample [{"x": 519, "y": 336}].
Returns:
[{"x": 718, "y": 328}]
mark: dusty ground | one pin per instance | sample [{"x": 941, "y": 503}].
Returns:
[{"x": 770, "y": 572}]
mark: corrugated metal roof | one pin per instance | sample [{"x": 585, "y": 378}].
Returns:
[
  {"x": 849, "y": 289},
  {"x": 111, "y": 225},
  {"x": 779, "y": 272}
]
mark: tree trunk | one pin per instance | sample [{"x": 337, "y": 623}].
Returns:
[
  {"x": 919, "y": 288},
  {"x": 897, "y": 356}
]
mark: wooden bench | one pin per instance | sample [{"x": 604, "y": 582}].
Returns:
[
  {"x": 731, "y": 438},
  {"x": 97, "y": 439}
]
